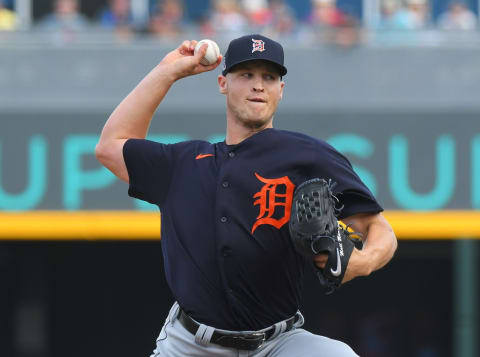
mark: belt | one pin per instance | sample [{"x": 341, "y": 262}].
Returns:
[{"x": 240, "y": 341}]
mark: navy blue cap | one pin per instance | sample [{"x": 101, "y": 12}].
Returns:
[{"x": 254, "y": 47}]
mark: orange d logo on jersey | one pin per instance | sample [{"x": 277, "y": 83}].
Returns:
[{"x": 269, "y": 199}]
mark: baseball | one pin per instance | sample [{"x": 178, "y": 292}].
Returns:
[{"x": 211, "y": 56}]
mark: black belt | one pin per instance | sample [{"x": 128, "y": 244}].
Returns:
[{"x": 240, "y": 341}]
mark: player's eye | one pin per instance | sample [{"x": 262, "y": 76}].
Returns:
[{"x": 247, "y": 75}]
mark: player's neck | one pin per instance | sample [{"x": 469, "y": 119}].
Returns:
[{"x": 237, "y": 132}]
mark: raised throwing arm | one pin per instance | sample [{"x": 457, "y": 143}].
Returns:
[{"x": 132, "y": 117}]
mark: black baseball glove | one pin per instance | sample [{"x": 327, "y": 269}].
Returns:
[{"x": 314, "y": 229}]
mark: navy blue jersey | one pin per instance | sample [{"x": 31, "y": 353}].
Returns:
[{"x": 228, "y": 256}]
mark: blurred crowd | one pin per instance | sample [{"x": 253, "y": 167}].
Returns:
[
  {"x": 416, "y": 15},
  {"x": 325, "y": 19}
]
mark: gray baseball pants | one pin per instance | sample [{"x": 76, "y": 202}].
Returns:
[{"x": 175, "y": 341}]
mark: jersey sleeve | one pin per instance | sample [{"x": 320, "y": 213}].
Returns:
[
  {"x": 352, "y": 193},
  {"x": 149, "y": 165}
]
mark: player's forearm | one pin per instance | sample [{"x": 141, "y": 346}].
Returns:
[
  {"x": 132, "y": 117},
  {"x": 379, "y": 246}
]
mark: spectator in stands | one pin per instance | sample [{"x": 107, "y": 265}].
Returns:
[
  {"x": 395, "y": 16},
  {"x": 117, "y": 14},
  {"x": 283, "y": 19},
  {"x": 274, "y": 18},
  {"x": 227, "y": 19},
  {"x": 65, "y": 18},
  {"x": 117, "y": 17},
  {"x": 457, "y": 17},
  {"x": 258, "y": 13},
  {"x": 333, "y": 26},
  {"x": 7, "y": 18},
  {"x": 326, "y": 14},
  {"x": 167, "y": 19},
  {"x": 417, "y": 11}
]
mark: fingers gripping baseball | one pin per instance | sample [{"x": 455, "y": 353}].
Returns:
[
  {"x": 184, "y": 62},
  {"x": 187, "y": 47}
]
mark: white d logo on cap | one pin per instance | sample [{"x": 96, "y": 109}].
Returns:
[{"x": 258, "y": 45}]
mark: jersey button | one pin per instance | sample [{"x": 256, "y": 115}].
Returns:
[
  {"x": 226, "y": 252},
  {"x": 231, "y": 154},
  {"x": 223, "y": 219},
  {"x": 225, "y": 184}
]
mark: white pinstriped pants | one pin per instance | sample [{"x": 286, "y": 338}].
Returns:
[{"x": 175, "y": 341}]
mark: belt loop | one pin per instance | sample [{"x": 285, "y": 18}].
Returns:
[
  {"x": 174, "y": 313},
  {"x": 204, "y": 334},
  {"x": 301, "y": 320},
  {"x": 280, "y": 327}
]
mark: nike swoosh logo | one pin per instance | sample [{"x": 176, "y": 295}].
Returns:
[
  {"x": 202, "y": 156},
  {"x": 338, "y": 271}
]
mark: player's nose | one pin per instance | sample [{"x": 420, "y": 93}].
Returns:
[
  {"x": 258, "y": 84},
  {"x": 258, "y": 87}
]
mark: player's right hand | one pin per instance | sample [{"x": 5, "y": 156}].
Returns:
[{"x": 182, "y": 62}]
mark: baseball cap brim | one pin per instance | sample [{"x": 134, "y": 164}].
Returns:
[{"x": 282, "y": 70}]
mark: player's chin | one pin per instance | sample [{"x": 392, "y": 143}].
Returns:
[
  {"x": 256, "y": 122},
  {"x": 259, "y": 113}
]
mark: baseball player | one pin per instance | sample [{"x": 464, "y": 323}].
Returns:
[{"x": 229, "y": 258}]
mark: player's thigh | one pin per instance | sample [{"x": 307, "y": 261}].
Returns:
[{"x": 301, "y": 343}]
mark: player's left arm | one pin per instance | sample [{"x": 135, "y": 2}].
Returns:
[{"x": 379, "y": 244}]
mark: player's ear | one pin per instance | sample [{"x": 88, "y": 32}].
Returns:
[
  {"x": 222, "y": 84},
  {"x": 282, "y": 86}
]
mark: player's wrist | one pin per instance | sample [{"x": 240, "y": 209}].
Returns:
[{"x": 167, "y": 72}]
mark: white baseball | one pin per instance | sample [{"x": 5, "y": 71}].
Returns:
[{"x": 212, "y": 54}]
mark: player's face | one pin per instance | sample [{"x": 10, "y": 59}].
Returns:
[{"x": 253, "y": 91}]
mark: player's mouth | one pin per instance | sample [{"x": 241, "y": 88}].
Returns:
[{"x": 257, "y": 100}]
